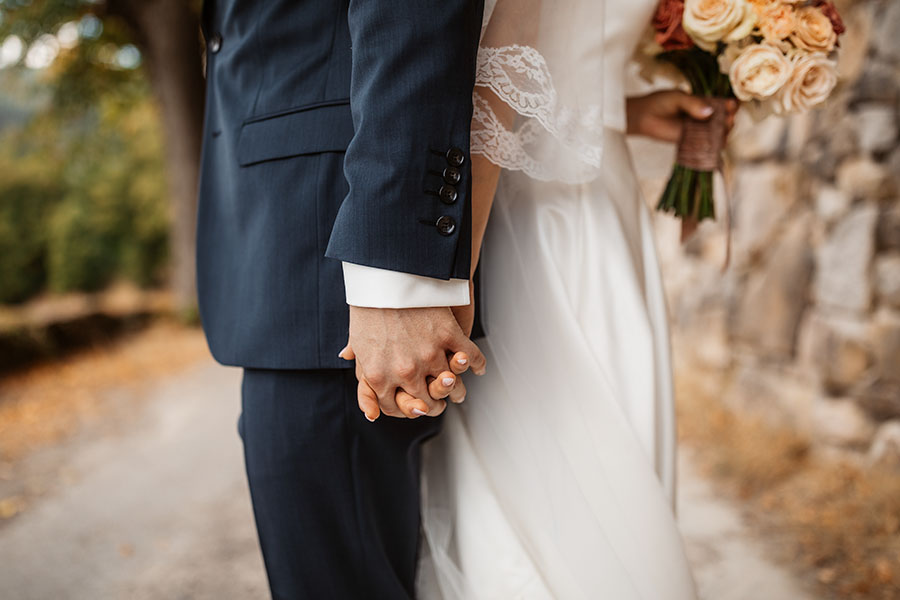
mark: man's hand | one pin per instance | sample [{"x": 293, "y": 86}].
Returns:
[{"x": 404, "y": 348}]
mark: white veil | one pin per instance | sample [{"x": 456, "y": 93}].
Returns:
[{"x": 539, "y": 58}]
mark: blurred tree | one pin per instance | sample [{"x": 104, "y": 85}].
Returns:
[
  {"x": 109, "y": 38},
  {"x": 110, "y": 222},
  {"x": 23, "y": 213},
  {"x": 82, "y": 197}
]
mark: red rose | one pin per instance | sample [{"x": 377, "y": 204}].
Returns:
[
  {"x": 670, "y": 33},
  {"x": 829, "y": 10}
]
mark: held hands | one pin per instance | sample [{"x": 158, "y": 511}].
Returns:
[{"x": 402, "y": 360}]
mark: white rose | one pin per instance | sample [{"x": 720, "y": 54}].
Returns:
[
  {"x": 812, "y": 80},
  {"x": 759, "y": 72},
  {"x": 745, "y": 27},
  {"x": 711, "y": 21}
]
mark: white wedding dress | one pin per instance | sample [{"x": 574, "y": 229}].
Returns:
[{"x": 556, "y": 477}]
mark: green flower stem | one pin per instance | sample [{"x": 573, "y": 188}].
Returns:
[{"x": 689, "y": 192}]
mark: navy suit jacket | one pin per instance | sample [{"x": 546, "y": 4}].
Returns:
[{"x": 335, "y": 130}]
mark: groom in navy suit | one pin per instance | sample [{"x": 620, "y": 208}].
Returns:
[{"x": 336, "y": 172}]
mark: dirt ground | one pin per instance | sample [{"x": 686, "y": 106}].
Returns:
[{"x": 143, "y": 495}]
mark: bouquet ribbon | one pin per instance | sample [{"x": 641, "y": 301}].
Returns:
[{"x": 701, "y": 148}]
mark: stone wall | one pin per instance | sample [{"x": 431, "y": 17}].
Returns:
[{"x": 807, "y": 317}]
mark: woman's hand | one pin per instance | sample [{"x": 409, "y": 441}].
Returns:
[{"x": 660, "y": 115}]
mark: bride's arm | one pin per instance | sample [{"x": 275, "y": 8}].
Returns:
[{"x": 485, "y": 176}]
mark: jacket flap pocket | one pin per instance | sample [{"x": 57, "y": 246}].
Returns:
[{"x": 307, "y": 130}]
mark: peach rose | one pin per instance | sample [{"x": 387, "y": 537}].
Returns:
[
  {"x": 812, "y": 80},
  {"x": 829, "y": 10},
  {"x": 759, "y": 72},
  {"x": 761, "y": 5},
  {"x": 776, "y": 21},
  {"x": 813, "y": 31},
  {"x": 709, "y": 22}
]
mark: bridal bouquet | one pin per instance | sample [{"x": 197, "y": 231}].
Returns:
[{"x": 776, "y": 56}]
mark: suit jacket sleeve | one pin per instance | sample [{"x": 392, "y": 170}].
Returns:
[{"x": 413, "y": 71}]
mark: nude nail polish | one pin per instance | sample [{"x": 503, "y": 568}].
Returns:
[
  {"x": 447, "y": 381},
  {"x": 462, "y": 361},
  {"x": 419, "y": 412},
  {"x": 368, "y": 419}
]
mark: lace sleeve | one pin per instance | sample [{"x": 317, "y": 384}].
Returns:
[{"x": 534, "y": 58}]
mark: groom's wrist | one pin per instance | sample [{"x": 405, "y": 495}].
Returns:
[{"x": 382, "y": 288}]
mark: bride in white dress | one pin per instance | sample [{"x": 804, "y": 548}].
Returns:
[{"x": 556, "y": 477}]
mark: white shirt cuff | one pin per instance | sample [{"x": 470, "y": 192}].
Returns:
[{"x": 382, "y": 288}]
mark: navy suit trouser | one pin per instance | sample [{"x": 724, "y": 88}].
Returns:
[{"x": 335, "y": 497}]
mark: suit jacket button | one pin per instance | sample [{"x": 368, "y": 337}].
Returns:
[
  {"x": 448, "y": 194},
  {"x": 452, "y": 175},
  {"x": 215, "y": 42},
  {"x": 446, "y": 225},
  {"x": 455, "y": 157}
]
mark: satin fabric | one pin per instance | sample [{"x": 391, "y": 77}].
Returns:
[{"x": 556, "y": 477}]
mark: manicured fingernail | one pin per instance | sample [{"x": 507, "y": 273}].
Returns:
[
  {"x": 447, "y": 381},
  {"x": 707, "y": 111},
  {"x": 419, "y": 412},
  {"x": 462, "y": 361},
  {"x": 341, "y": 353},
  {"x": 371, "y": 420}
]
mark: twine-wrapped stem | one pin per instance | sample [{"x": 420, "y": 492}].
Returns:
[
  {"x": 700, "y": 147},
  {"x": 689, "y": 193}
]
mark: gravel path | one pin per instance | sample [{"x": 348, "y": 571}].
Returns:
[
  {"x": 729, "y": 564},
  {"x": 157, "y": 508}
]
